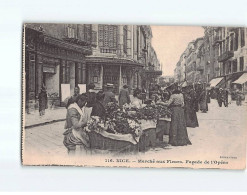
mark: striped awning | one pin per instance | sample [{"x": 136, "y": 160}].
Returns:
[
  {"x": 242, "y": 79},
  {"x": 214, "y": 82}
]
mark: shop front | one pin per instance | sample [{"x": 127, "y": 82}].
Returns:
[
  {"x": 51, "y": 63},
  {"x": 118, "y": 72}
]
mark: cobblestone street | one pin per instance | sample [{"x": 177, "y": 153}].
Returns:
[{"x": 221, "y": 129}]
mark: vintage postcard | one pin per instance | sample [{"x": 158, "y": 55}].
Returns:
[{"x": 134, "y": 96}]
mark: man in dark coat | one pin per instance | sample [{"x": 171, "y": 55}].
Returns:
[
  {"x": 42, "y": 101},
  {"x": 221, "y": 97},
  {"x": 98, "y": 107},
  {"x": 109, "y": 95},
  {"x": 124, "y": 97}
]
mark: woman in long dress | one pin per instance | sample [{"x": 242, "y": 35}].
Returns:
[
  {"x": 190, "y": 107},
  {"x": 137, "y": 99},
  {"x": 178, "y": 135},
  {"x": 124, "y": 97}
]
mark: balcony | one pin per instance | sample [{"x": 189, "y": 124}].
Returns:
[
  {"x": 225, "y": 56},
  {"x": 108, "y": 50},
  {"x": 216, "y": 68},
  {"x": 200, "y": 68},
  {"x": 217, "y": 39}
]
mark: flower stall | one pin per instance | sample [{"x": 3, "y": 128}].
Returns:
[{"x": 128, "y": 130}]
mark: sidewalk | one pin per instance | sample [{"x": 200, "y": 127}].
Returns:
[{"x": 33, "y": 119}]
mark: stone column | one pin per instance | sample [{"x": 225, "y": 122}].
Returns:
[
  {"x": 129, "y": 41},
  {"x": 84, "y": 70},
  {"x": 72, "y": 76},
  {"x": 39, "y": 78},
  {"x": 120, "y": 78},
  {"x": 101, "y": 76},
  {"x": 120, "y": 42},
  {"x": 95, "y": 29}
]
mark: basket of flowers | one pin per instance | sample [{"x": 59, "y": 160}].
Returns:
[{"x": 118, "y": 131}]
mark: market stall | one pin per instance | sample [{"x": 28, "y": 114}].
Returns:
[{"x": 129, "y": 129}]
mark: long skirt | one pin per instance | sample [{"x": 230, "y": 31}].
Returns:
[
  {"x": 178, "y": 135},
  {"x": 190, "y": 117},
  {"x": 203, "y": 105}
]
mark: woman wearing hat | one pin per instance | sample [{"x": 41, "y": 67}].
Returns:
[
  {"x": 42, "y": 101},
  {"x": 109, "y": 95},
  {"x": 178, "y": 135},
  {"x": 190, "y": 107},
  {"x": 124, "y": 97}
]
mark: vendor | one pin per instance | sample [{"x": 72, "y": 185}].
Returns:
[
  {"x": 76, "y": 121},
  {"x": 137, "y": 99},
  {"x": 98, "y": 108}
]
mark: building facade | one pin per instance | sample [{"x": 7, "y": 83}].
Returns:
[
  {"x": 122, "y": 55},
  {"x": 221, "y": 53},
  {"x": 54, "y": 57},
  {"x": 62, "y": 56}
]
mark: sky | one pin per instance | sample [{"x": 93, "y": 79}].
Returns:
[{"x": 170, "y": 42}]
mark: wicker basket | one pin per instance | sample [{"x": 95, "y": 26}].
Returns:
[{"x": 97, "y": 141}]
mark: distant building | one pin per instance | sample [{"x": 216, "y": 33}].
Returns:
[
  {"x": 219, "y": 58},
  {"x": 55, "y": 54},
  {"x": 122, "y": 55},
  {"x": 74, "y": 54}
]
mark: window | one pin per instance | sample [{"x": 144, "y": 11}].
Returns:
[
  {"x": 231, "y": 43},
  {"x": 32, "y": 72},
  {"x": 65, "y": 72},
  {"x": 137, "y": 40},
  {"x": 79, "y": 73},
  {"x": 88, "y": 32},
  {"x": 125, "y": 33},
  {"x": 71, "y": 32},
  {"x": 236, "y": 41},
  {"x": 108, "y": 36},
  {"x": 242, "y": 37},
  {"x": 235, "y": 65},
  {"x": 224, "y": 68},
  {"x": 241, "y": 64},
  {"x": 229, "y": 67}
]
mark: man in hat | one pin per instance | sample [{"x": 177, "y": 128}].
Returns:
[
  {"x": 109, "y": 95},
  {"x": 124, "y": 97},
  {"x": 76, "y": 121},
  {"x": 221, "y": 97},
  {"x": 91, "y": 95},
  {"x": 42, "y": 101}
]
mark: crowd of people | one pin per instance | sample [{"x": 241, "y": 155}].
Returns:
[{"x": 183, "y": 100}]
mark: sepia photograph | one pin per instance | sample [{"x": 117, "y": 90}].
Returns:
[{"x": 111, "y": 95}]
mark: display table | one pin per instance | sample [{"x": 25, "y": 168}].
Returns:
[
  {"x": 120, "y": 143},
  {"x": 162, "y": 128}
]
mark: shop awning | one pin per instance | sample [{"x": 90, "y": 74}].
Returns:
[
  {"x": 242, "y": 79},
  {"x": 215, "y": 82}
]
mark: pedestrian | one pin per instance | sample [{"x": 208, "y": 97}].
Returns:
[
  {"x": 226, "y": 97},
  {"x": 137, "y": 99},
  {"x": 76, "y": 121},
  {"x": 72, "y": 98},
  {"x": 109, "y": 95},
  {"x": 203, "y": 100},
  {"x": 43, "y": 104},
  {"x": 239, "y": 97},
  {"x": 124, "y": 97},
  {"x": 98, "y": 107},
  {"x": 178, "y": 135},
  {"x": 189, "y": 107},
  {"x": 91, "y": 95},
  {"x": 208, "y": 94},
  {"x": 166, "y": 95},
  {"x": 221, "y": 97}
]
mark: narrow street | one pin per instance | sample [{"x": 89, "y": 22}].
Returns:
[{"x": 221, "y": 129}]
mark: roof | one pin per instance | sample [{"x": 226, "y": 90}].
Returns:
[
  {"x": 214, "y": 82},
  {"x": 112, "y": 61},
  {"x": 242, "y": 79}
]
